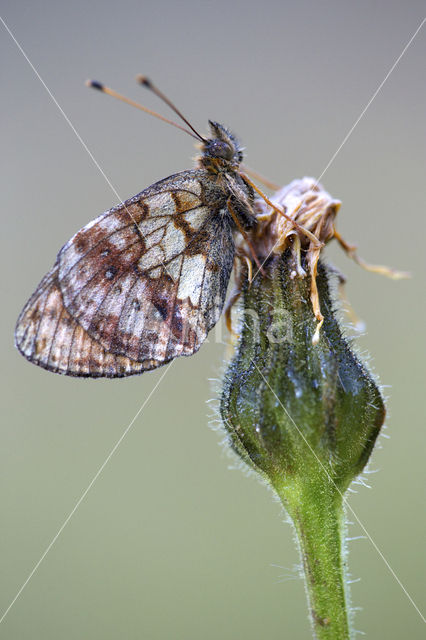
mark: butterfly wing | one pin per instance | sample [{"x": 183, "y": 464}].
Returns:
[
  {"x": 48, "y": 336},
  {"x": 147, "y": 280}
]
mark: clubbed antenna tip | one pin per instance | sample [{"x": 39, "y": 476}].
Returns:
[
  {"x": 144, "y": 80},
  {"x": 95, "y": 85}
]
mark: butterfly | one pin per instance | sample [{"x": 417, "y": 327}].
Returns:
[{"x": 146, "y": 281}]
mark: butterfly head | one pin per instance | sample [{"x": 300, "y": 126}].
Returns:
[{"x": 222, "y": 151}]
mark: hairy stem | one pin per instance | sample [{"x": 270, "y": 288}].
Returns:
[{"x": 317, "y": 513}]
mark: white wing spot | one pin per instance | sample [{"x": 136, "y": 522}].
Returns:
[{"x": 191, "y": 278}]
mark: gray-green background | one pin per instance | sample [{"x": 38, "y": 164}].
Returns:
[{"x": 169, "y": 542}]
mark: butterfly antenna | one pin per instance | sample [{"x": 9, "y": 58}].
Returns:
[
  {"x": 144, "y": 81},
  {"x": 101, "y": 87}
]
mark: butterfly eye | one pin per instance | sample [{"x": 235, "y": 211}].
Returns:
[{"x": 219, "y": 149}]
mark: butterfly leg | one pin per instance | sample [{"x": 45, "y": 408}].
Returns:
[
  {"x": 296, "y": 250},
  {"x": 302, "y": 230},
  {"x": 354, "y": 319},
  {"x": 313, "y": 257},
  {"x": 260, "y": 178},
  {"x": 233, "y": 298},
  {"x": 235, "y": 218},
  {"x": 375, "y": 268},
  {"x": 236, "y": 293}
]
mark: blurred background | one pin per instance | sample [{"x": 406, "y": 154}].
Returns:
[{"x": 170, "y": 542}]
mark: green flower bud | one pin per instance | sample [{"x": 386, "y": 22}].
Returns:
[{"x": 292, "y": 407}]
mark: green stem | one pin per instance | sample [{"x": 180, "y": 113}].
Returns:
[{"x": 318, "y": 517}]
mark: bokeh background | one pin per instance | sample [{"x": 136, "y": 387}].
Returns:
[{"x": 170, "y": 542}]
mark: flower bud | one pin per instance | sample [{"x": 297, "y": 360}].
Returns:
[{"x": 293, "y": 409}]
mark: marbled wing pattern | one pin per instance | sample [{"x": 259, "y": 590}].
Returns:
[
  {"x": 47, "y": 335},
  {"x": 138, "y": 286}
]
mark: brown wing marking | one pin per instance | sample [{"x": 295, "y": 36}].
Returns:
[
  {"x": 48, "y": 336},
  {"x": 125, "y": 297},
  {"x": 103, "y": 253},
  {"x": 145, "y": 291},
  {"x": 195, "y": 305}
]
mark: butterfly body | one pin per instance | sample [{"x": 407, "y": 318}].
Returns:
[{"x": 145, "y": 281}]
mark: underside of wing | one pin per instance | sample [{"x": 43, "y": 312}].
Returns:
[
  {"x": 48, "y": 336},
  {"x": 147, "y": 280}
]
